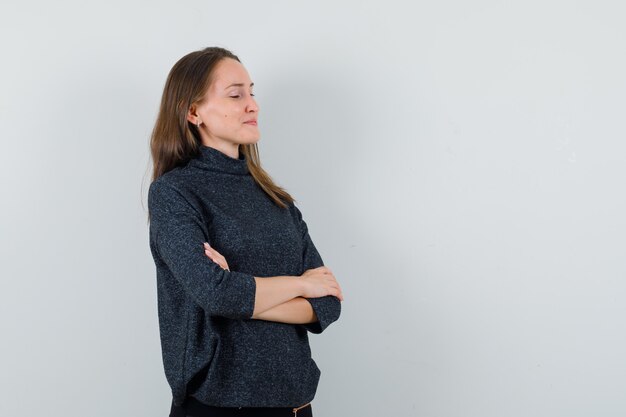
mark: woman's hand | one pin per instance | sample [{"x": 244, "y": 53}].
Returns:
[
  {"x": 320, "y": 282},
  {"x": 215, "y": 256}
]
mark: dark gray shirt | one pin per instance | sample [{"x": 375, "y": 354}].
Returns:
[{"x": 212, "y": 349}]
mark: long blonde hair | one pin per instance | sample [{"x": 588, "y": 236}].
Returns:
[{"x": 175, "y": 140}]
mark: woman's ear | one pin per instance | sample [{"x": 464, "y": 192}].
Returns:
[{"x": 192, "y": 115}]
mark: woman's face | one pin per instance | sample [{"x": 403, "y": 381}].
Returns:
[{"x": 228, "y": 112}]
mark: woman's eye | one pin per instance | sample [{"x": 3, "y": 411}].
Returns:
[{"x": 240, "y": 96}]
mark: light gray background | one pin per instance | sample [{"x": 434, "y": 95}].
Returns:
[{"x": 460, "y": 165}]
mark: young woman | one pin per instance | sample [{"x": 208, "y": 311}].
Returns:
[{"x": 240, "y": 283}]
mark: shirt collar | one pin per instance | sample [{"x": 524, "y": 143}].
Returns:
[{"x": 215, "y": 160}]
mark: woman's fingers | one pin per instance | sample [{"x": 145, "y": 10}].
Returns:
[
  {"x": 338, "y": 289},
  {"x": 215, "y": 256},
  {"x": 339, "y": 293},
  {"x": 319, "y": 283}
]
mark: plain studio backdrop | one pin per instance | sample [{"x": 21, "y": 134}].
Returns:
[{"x": 460, "y": 165}]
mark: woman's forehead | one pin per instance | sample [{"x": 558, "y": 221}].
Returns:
[{"x": 231, "y": 73}]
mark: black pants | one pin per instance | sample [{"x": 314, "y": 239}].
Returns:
[{"x": 195, "y": 408}]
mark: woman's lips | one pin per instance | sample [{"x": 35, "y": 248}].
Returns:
[{"x": 250, "y": 123}]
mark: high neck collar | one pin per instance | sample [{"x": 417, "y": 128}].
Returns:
[{"x": 215, "y": 160}]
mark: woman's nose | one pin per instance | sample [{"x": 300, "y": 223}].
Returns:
[{"x": 252, "y": 104}]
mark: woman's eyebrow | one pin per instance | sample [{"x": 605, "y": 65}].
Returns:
[{"x": 238, "y": 85}]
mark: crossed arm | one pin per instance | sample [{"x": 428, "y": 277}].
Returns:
[{"x": 294, "y": 311}]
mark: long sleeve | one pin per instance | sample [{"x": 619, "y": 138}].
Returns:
[
  {"x": 328, "y": 308},
  {"x": 176, "y": 238}
]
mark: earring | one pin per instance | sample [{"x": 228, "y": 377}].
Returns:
[{"x": 198, "y": 123}]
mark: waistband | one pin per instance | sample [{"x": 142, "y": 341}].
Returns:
[{"x": 194, "y": 408}]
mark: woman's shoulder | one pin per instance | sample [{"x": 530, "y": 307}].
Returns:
[
  {"x": 294, "y": 210},
  {"x": 174, "y": 176},
  {"x": 171, "y": 188},
  {"x": 181, "y": 179}
]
